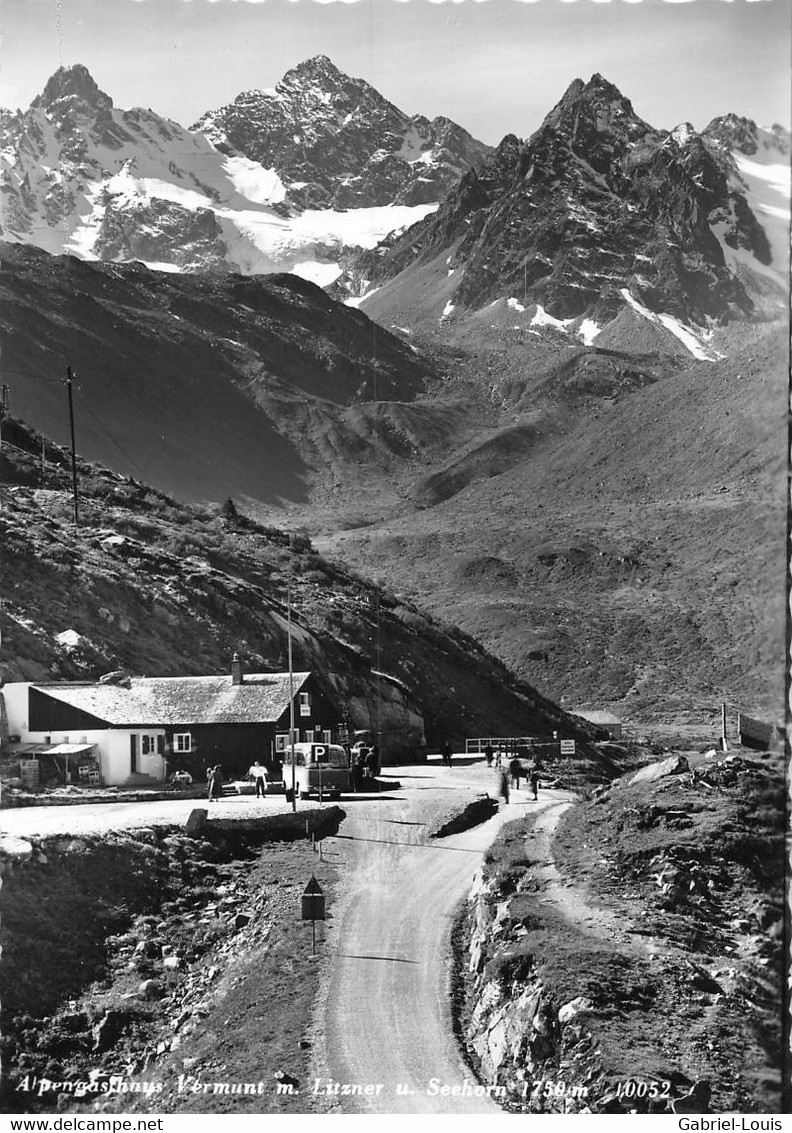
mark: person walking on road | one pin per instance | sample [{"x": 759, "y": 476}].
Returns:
[
  {"x": 447, "y": 751},
  {"x": 515, "y": 770},
  {"x": 213, "y": 788},
  {"x": 489, "y": 754},
  {"x": 356, "y": 775},
  {"x": 374, "y": 755},
  {"x": 259, "y": 775},
  {"x": 533, "y": 779},
  {"x": 503, "y": 784}
]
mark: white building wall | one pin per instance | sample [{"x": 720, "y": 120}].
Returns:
[
  {"x": 112, "y": 744},
  {"x": 15, "y": 696}
]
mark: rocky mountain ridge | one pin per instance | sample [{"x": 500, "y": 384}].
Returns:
[
  {"x": 337, "y": 143},
  {"x": 78, "y": 175},
  {"x": 598, "y": 211}
]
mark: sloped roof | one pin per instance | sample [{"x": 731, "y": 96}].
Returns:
[
  {"x": 68, "y": 749},
  {"x": 168, "y": 701}
]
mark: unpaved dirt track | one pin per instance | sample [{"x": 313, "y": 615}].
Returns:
[
  {"x": 386, "y": 1014},
  {"x": 385, "y": 1017}
]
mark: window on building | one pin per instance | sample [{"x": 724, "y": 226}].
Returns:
[
  {"x": 182, "y": 741},
  {"x": 305, "y": 704},
  {"x": 327, "y": 736},
  {"x": 151, "y": 744},
  {"x": 281, "y": 741}
]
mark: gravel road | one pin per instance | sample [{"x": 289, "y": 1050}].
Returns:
[
  {"x": 384, "y": 1039},
  {"x": 385, "y": 1029}
]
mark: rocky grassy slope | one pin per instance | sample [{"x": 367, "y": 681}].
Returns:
[
  {"x": 137, "y": 964},
  {"x": 159, "y": 588},
  {"x": 617, "y": 541},
  {"x": 633, "y": 961}
]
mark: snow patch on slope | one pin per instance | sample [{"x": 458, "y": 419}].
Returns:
[
  {"x": 766, "y": 183},
  {"x": 588, "y": 331},
  {"x": 685, "y": 335},
  {"x": 542, "y": 319},
  {"x": 355, "y": 301}
]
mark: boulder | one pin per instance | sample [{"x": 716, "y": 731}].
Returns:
[
  {"x": 573, "y": 1008},
  {"x": 674, "y": 765},
  {"x": 497, "y": 1042},
  {"x": 15, "y": 849},
  {"x": 696, "y": 1101},
  {"x": 196, "y": 823},
  {"x": 150, "y": 989},
  {"x": 109, "y": 1029}
]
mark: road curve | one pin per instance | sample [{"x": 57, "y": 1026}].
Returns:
[{"x": 384, "y": 1024}]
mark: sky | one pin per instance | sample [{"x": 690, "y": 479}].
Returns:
[{"x": 493, "y": 66}]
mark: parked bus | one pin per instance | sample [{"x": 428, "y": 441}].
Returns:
[{"x": 319, "y": 769}]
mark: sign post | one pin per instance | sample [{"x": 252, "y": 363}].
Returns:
[
  {"x": 313, "y": 906},
  {"x": 567, "y": 747}
]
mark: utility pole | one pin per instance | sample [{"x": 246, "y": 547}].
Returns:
[
  {"x": 3, "y": 410},
  {"x": 724, "y": 742},
  {"x": 73, "y": 451},
  {"x": 3, "y": 414},
  {"x": 291, "y": 695},
  {"x": 42, "y": 462}
]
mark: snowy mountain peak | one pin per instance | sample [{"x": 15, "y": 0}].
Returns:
[
  {"x": 734, "y": 133},
  {"x": 782, "y": 138},
  {"x": 80, "y": 176},
  {"x": 598, "y": 92},
  {"x": 597, "y": 204},
  {"x": 317, "y": 67},
  {"x": 72, "y": 86},
  {"x": 337, "y": 142},
  {"x": 594, "y": 108},
  {"x": 683, "y": 133}
]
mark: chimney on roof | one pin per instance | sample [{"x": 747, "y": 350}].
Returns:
[{"x": 236, "y": 670}]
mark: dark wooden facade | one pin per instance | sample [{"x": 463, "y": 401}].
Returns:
[{"x": 235, "y": 746}]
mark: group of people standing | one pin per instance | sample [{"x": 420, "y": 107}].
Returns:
[
  {"x": 510, "y": 777},
  {"x": 214, "y": 780},
  {"x": 364, "y": 765}
]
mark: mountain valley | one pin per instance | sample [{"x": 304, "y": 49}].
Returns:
[{"x": 555, "y": 418}]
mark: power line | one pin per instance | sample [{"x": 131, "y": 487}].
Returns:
[
  {"x": 109, "y": 436},
  {"x": 27, "y": 374}
]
